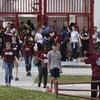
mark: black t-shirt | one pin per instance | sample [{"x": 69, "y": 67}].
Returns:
[
  {"x": 16, "y": 47},
  {"x": 1, "y": 37}
]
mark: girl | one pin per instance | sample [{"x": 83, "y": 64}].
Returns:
[
  {"x": 28, "y": 53},
  {"x": 74, "y": 42},
  {"x": 42, "y": 68},
  {"x": 85, "y": 41},
  {"x": 39, "y": 39}
]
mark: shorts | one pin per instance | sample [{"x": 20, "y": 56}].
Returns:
[
  {"x": 15, "y": 64},
  {"x": 55, "y": 72},
  {"x": 69, "y": 46}
]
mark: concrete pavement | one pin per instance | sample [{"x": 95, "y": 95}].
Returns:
[{"x": 28, "y": 82}]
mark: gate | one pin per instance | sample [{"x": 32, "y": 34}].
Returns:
[
  {"x": 55, "y": 12},
  {"x": 81, "y": 9},
  {"x": 12, "y": 8}
]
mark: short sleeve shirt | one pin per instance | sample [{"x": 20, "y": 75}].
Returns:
[
  {"x": 54, "y": 58},
  {"x": 8, "y": 55}
]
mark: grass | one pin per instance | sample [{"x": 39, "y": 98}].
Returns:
[
  {"x": 12, "y": 93},
  {"x": 69, "y": 78}
]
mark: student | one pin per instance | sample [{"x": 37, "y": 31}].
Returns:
[
  {"x": 54, "y": 64},
  {"x": 84, "y": 36},
  {"x": 94, "y": 60},
  {"x": 16, "y": 47},
  {"x": 28, "y": 53},
  {"x": 42, "y": 68},
  {"x": 8, "y": 55},
  {"x": 39, "y": 39}
]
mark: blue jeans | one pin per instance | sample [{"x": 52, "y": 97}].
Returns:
[
  {"x": 74, "y": 47},
  {"x": 28, "y": 60},
  {"x": 8, "y": 71}
]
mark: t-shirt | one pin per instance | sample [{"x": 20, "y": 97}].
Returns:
[
  {"x": 54, "y": 58},
  {"x": 95, "y": 37},
  {"x": 40, "y": 38},
  {"x": 93, "y": 60},
  {"x": 16, "y": 47},
  {"x": 7, "y": 37},
  {"x": 8, "y": 55},
  {"x": 43, "y": 55},
  {"x": 28, "y": 49},
  {"x": 74, "y": 36},
  {"x": 53, "y": 35}
]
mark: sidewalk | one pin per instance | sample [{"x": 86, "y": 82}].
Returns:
[{"x": 28, "y": 82}]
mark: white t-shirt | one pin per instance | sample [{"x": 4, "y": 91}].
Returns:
[
  {"x": 74, "y": 36},
  {"x": 40, "y": 38},
  {"x": 95, "y": 37}
]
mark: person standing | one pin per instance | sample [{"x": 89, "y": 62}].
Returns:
[
  {"x": 94, "y": 60},
  {"x": 54, "y": 64},
  {"x": 53, "y": 36},
  {"x": 8, "y": 55},
  {"x": 74, "y": 42},
  {"x": 84, "y": 36},
  {"x": 95, "y": 34}
]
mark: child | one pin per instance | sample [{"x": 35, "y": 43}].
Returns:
[
  {"x": 8, "y": 55},
  {"x": 94, "y": 60},
  {"x": 54, "y": 64}
]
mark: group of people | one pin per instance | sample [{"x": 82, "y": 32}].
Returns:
[{"x": 44, "y": 43}]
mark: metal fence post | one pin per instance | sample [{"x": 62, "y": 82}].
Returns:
[{"x": 56, "y": 89}]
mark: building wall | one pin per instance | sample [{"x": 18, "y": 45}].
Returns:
[{"x": 97, "y": 13}]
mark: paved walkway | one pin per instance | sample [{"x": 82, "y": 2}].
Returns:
[{"x": 28, "y": 82}]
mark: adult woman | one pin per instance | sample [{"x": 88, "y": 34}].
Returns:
[
  {"x": 84, "y": 40},
  {"x": 42, "y": 68},
  {"x": 8, "y": 55}
]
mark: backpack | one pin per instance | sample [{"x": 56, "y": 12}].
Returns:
[{"x": 36, "y": 61}]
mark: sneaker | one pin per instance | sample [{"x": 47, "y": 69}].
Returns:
[
  {"x": 39, "y": 85},
  {"x": 16, "y": 79},
  {"x": 7, "y": 84},
  {"x": 29, "y": 74},
  {"x": 74, "y": 60},
  {"x": 44, "y": 86}
]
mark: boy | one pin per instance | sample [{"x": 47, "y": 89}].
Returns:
[
  {"x": 54, "y": 64},
  {"x": 94, "y": 60}
]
